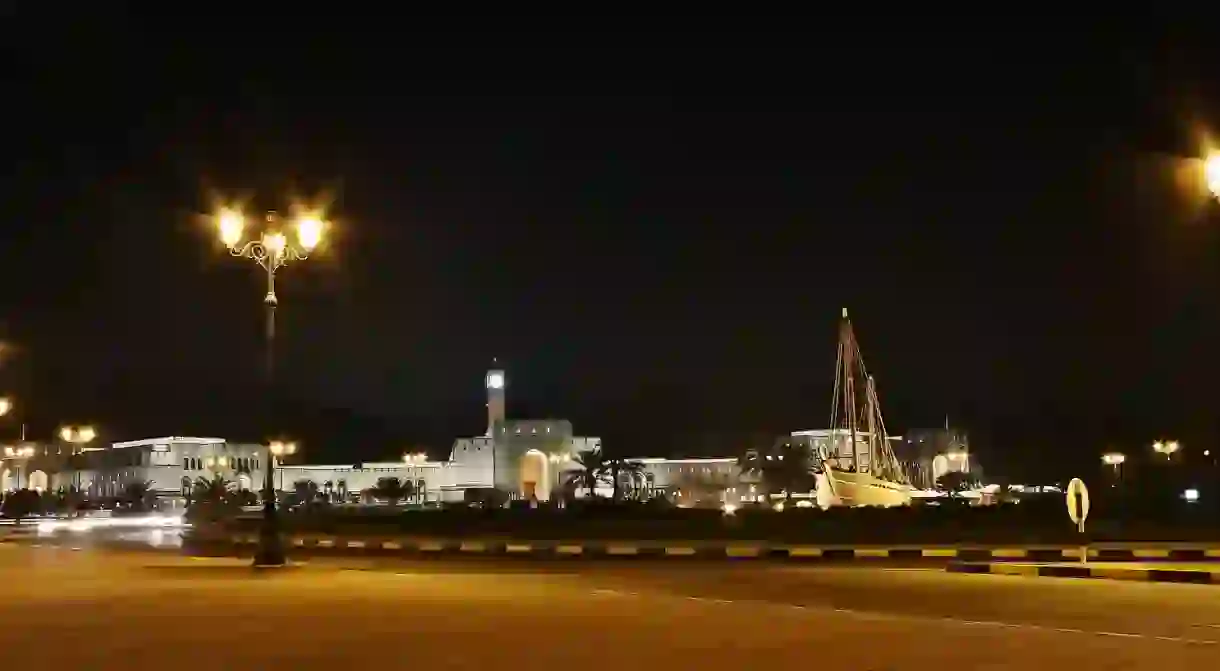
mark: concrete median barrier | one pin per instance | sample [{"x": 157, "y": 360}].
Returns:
[
  {"x": 678, "y": 550},
  {"x": 1201, "y": 574}
]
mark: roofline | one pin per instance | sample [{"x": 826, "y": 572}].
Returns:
[
  {"x": 363, "y": 465},
  {"x": 169, "y": 439},
  {"x": 691, "y": 460}
]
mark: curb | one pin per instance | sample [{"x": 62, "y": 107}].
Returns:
[
  {"x": 312, "y": 543},
  {"x": 1195, "y": 577}
]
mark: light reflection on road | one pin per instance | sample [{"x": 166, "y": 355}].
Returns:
[{"x": 158, "y": 531}]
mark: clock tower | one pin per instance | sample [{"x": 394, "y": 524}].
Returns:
[{"x": 495, "y": 382}]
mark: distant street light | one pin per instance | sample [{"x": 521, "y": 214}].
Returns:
[
  {"x": 277, "y": 449},
  {"x": 1115, "y": 461},
  {"x": 413, "y": 460},
  {"x": 6, "y": 405},
  {"x": 271, "y": 250},
  {"x": 1167, "y": 448},
  {"x": 79, "y": 437},
  {"x": 1211, "y": 173}
]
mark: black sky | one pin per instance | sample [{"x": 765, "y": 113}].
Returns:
[{"x": 653, "y": 232}]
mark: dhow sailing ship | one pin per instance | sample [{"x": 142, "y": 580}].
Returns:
[{"x": 857, "y": 466}]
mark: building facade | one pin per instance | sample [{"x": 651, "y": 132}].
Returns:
[
  {"x": 168, "y": 465},
  {"x": 527, "y": 459},
  {"x": 931, "y": 453}
]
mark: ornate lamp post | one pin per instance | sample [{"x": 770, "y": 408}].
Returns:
[
  {"x": 1115, "y": 461},
  {"x": 413, "y": 460},
  {"x": 1166, "y": 447},
  {"x": 78, "y": 437},
  {"x": 271, "y": 249},
  {"x": 277, "y": 449},
  {"x": 19, "y": 455}
]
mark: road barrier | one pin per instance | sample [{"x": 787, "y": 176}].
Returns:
[
  {"x": 1140, "y": 574},
  {"x": 412, "y": 546}
]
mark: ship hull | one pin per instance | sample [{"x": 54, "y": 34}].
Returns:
[{"x": 841, "y": 488}]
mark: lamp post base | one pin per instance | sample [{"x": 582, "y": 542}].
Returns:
[{"x": 270, "y": 550}]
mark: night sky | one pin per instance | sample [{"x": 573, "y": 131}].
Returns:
[{"x": 654, "y": 233}]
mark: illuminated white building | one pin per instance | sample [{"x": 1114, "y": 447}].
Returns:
[
  {"x": 525, "y": 458},
  {"x": 169, "y": 465}
]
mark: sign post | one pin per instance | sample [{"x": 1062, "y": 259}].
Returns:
[{"x": 1078, "y": 511}]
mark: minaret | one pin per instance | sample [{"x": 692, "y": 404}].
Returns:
[{"x": 496, "y": 381}]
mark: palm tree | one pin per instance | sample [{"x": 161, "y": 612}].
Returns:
[
  {"x": 392, "y": 490},
  {"x": 617, "y": 468},
  {"x": 591, "y": 465},
  {"x": 215, "y": 491},
  {"x": 139, "y": 494},
  {"x": 305, "y": 491}
]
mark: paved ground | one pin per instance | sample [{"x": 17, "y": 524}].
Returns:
[{"x": 97, "y": 610}]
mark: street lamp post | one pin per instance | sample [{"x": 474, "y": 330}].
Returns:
[
  {"x": 271, "y": 250},
  {"x": 557, "y": 461},
  {"x": 19, "y": 455},
  {"x": 1115, "y": 461},
  {"x": 413, "y": 460},
  {"x": 78, "y": 437},
  {"x": 1166, "y": 447},
  {"x": 276, "y": 449}
]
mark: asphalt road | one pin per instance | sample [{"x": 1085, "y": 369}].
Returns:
[{"x": 102, "y": 610}]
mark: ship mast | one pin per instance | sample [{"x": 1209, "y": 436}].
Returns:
[
  {"x": 875, "y": 455},
  {"x": 848, "y": 349}
]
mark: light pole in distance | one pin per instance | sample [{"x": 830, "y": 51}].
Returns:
[
  {"x": 19, "y": 455},
  {"x": 79, "y": 438}
]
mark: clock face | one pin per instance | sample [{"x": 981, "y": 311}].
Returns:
[{"x": 495, "y": 381}]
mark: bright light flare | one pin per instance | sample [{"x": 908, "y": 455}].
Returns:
[
  {"x": 1113, "y": 458},
  {"x": 65, "y": 434},
  {"x": 6, "y": 406},
  {"x": 231, "y": 226},
  {"x": 86, "y": 434},
  {"x": 309, "y": 232},
  {"x": 1211, "y": 173},
  {"x": 1166, "y": 447},
  {"x": 280, "y": 448},
  {"x": 275, "y": 243}
]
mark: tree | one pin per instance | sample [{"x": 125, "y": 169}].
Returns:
[
  {"x": 954, "y": 483},
  {"x": 590, "y": 466},
  {"x": 213, "y": 498},
  {"x": 305, "y": 492},
  {"x": 69, "y": 499},
  {"x": 786, "y": 467},
  {"x": 701, "y": 489},
  {"x": 392, "y": 490},
  {"x": 618, "y": 468},
  {"x": 21, "y": 503},
  {"x": 139, "y": 494}
]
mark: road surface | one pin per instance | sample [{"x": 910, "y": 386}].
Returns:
[{"x": 97, "y": 610}]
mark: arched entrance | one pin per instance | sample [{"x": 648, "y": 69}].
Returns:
[
  {"x": 38, "y": 481},
  {"x": 535, "y": 480}
]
